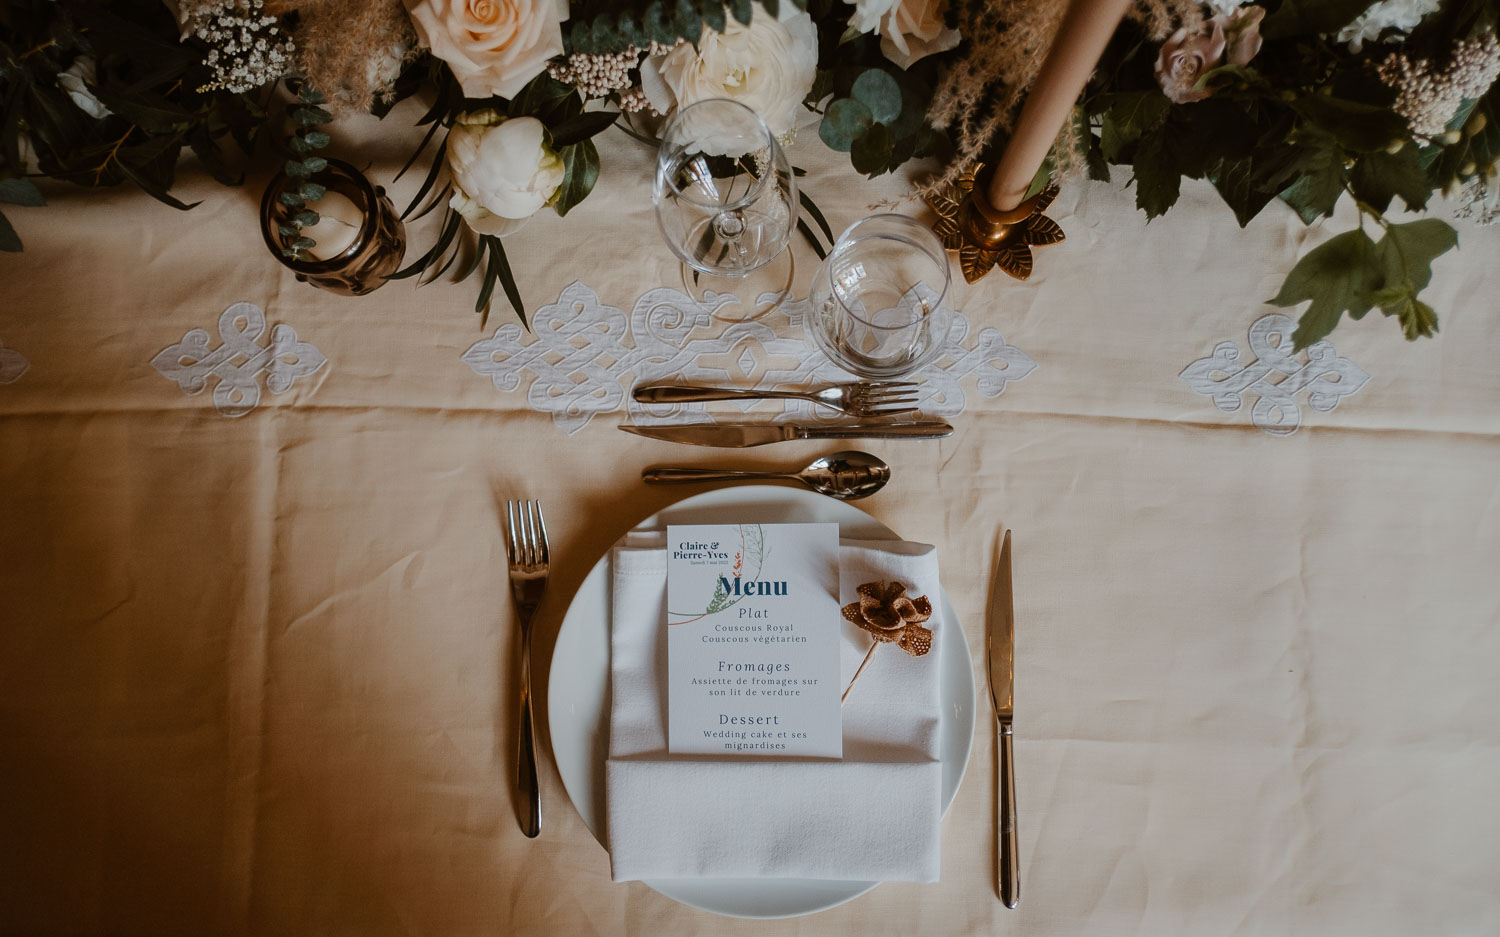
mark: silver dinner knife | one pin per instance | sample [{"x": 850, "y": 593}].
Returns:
[
  {"x": 1000, "y": 642},
  {"x": 741, "y": 435}
]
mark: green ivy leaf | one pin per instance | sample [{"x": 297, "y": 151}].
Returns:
[
  {"x": 878, "y": 91},
  {"x": 1408, "y": 250},
  {"x": 1356, "y": 125},
  {"x": 1235, "y": 182},
  {"x": 1157, "y": 182},
  {"x": 1128, "y": 117},
  {"x": 1317, "y": 191},
  {"x": 844, "y": 122},
  {"x": 1379, "y": 176},
  {"x": 21, "y": 191},
  {"x": 1338, "y": 276}
]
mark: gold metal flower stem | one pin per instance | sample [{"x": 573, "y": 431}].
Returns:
[{"x": 868, "y": 654}]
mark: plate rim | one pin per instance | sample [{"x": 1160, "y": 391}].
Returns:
[{"x": 759, "y": 494}]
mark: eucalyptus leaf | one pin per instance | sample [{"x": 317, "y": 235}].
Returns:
[
  {"x": 317, "y": 139},
  {"x": 878, "y": 91},
  {"x": 844, "y": 121},
  {"x": 311, "y": 191},
  {"x": 712, "y": 12},
  {"x": 290, "y": 199},
  {"x": 315, "y": 164},
  {"x": 310, "y": 116}
]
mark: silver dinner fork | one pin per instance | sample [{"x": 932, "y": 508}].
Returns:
[
  {"x": 526, "y": 546},
  {"x": 862, "y": 398}
]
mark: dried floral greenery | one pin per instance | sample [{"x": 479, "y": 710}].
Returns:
[{"x": 1307, "y": 122}]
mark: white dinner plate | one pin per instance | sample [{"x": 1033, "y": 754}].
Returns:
[{"x": 578, "y": 697}]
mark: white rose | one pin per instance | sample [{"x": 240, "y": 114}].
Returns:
[
  {"x": 494, "y": 47},
  {"x": 502, "y": 170},
  {"x": 768, "y": 66},
  {"x": 909, "y": 29},
  {"x": 76, "y": 80}
]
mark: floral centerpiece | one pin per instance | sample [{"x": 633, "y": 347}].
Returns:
[{"x": 1296, "y": 102}]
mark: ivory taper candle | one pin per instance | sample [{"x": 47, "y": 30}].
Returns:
[{"x": 1085, "y": 31}]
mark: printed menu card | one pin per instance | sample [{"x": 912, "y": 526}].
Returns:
[{"x": 753, "y": 640}]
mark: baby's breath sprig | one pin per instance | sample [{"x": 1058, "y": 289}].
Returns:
[
  {"x": 247, "y": 47},
  {"x": 308, "y": 116}
]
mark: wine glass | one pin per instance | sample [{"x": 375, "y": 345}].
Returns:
[
  {"x": 726, "y": 201},
  {"x": 876, "y": 307}
]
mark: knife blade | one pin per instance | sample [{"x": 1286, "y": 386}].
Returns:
[
  {"x": 1000, "y": 644},
  {"x": 742, "y": 435}
]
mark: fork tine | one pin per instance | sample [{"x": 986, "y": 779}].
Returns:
[
  {"x": 883, "y": 385},
  {"x": 510, "y": 528},
  {"x": 530, "y": 527},
  {"x": 887, "y": 411},
  {"x": 888, "y": 399},
  {"x": 546, "y": 557}
]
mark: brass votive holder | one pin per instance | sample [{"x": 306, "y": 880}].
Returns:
[{"x": 362, "y": 266}]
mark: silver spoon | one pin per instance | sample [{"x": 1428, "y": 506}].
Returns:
[{"x": 848, "y": 475}]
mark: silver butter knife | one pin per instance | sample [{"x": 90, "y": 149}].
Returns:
[
  {"x": 741, "y": 435},
  {"x": 1001, "y": 644}
]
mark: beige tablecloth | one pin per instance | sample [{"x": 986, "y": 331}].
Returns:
[{"x": 256, "y": 673}]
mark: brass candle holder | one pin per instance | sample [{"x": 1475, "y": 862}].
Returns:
[
  {"x": 364, "y": 264},
  {"x": 986, "y": 237}
]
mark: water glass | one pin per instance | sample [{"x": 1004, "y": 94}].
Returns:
[{"x": 877, "y": 301}]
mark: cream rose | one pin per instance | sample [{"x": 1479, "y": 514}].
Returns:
[
  {"x": 768, "y": 66},
  {"x": 909, "y": 29},
  {"x": 494, "y": 47},
  {"x": 502, "y": 170}
]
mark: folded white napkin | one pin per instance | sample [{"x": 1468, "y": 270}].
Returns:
[{"x": 873, "y": 816}]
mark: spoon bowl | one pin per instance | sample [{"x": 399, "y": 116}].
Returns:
[{"x": 848, "y": 475}]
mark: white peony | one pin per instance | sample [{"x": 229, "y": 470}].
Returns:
[
  {"x": 76, "y": 80},
  {"x": 1403, "y": 15},
  {"x": 503, "y": 171},
  {"x": 768, "y": 66},
  {"x": 909, "y": 29}
]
